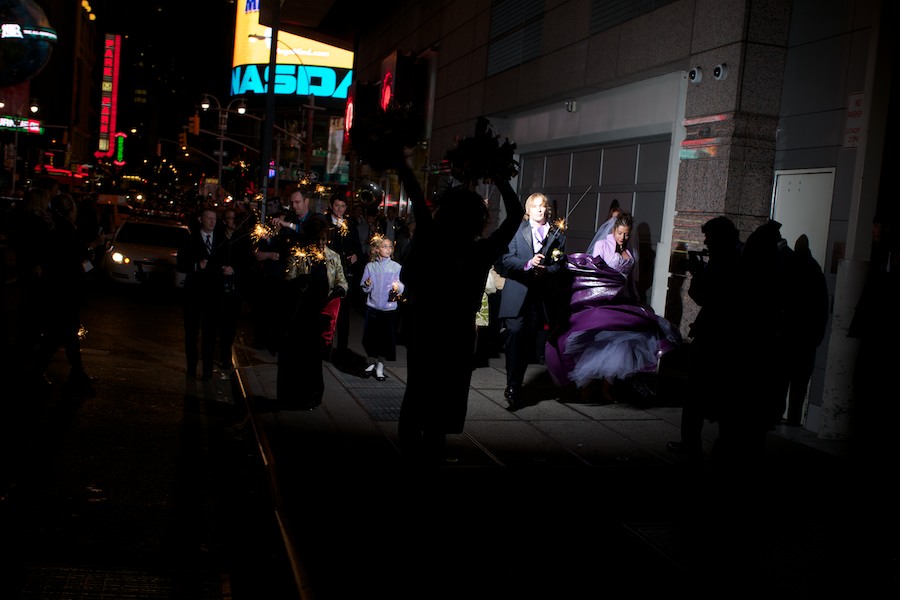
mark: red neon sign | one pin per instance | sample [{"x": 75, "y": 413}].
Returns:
[
  {"x": 109, "y": 94},
  {"x": 387, "y": 90}
]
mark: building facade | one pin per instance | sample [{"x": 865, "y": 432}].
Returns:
[{"x": 682, "y": 111}]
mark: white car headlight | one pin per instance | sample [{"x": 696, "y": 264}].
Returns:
[{"x": 120, "y": 258}]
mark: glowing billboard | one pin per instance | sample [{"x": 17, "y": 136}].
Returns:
[{"x": 303, "y": 66}]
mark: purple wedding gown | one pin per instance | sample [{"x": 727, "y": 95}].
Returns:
[{"x": 610, "y": 334}]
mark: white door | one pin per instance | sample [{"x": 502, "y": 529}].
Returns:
[{"x": 801, "y": 202}]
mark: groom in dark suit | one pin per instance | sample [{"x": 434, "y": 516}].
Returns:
[{"x": 523, "y": 300}]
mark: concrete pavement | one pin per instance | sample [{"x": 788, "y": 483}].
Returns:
[{"x": 546, "y": 482}]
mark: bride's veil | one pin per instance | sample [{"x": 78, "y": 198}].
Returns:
[{"x": 604, "y": 230}]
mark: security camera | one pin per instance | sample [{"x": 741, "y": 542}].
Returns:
[
  {"x": 695, "y": 75},
  {"x": 720, "y": 71}
]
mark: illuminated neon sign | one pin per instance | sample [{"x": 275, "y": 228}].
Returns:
[
  {"x": 20, "y": 124},
  {"x": 303, "y": 66},
  {"x": 387, "y": 90},
  {"x": 12, "y": 31},
  {"x": 291, "y": 80},
  {"x": 109, "y": 93},
  {"x": 120, "y": 149}
]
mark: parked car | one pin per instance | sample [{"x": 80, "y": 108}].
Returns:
[{"x": 143, "y": 251}]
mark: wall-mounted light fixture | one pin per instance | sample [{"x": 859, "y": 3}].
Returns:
[
  {"x": 695, "y": 75},
  {"x": 34, "y": 107}
]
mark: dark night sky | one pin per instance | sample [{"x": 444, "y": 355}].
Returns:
[{"x": 181, "y": 47}]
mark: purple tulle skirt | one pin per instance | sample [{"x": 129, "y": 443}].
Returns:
[{"x": 609, "y": 335}]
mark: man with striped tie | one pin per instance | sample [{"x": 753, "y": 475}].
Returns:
[{"x": 204, "y": 288}]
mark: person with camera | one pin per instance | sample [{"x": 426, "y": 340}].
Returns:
[{"x": 712, "y": 288}]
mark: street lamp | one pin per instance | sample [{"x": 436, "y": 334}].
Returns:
[{"x": 223, "y": 122}]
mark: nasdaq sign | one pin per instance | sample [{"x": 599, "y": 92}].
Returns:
[{"x": 292, "y": 80}]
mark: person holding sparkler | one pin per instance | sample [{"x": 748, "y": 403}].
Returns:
[{"x": 383, "y": 288}]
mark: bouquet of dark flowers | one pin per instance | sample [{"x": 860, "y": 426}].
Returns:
[
  {"x": 482, "y": 156},
  {"x": 379, "y": 138}
]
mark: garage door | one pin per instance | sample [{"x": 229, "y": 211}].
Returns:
[{"x": 581, "y": 183}]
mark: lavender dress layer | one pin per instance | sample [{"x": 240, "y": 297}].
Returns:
[{"x": 609, "y": 334}]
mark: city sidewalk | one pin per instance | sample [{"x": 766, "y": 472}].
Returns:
[
  {"x": 556, "y": 428},
  {"x": 587, "y": 490}
]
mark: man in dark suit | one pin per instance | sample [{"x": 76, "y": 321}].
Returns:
[
  {"x": 236, "y": 252},
  {"x": 523, "y": 300},
  {"x": 390, "y": 225},
  {"x": 292, "y": 224},
  {"x": 204, "y": 287}
]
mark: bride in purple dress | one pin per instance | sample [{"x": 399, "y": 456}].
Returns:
[{"x": 610, "y": 334}]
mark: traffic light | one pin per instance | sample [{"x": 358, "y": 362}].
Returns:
[
  {"x": 194, "y": 124},
  {"x": 182, "y": 140}
]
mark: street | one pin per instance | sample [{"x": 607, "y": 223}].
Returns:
[{"x": 182, "y": 497}]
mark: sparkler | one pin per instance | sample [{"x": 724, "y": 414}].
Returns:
[
  {"x": 262, "y": 231},
  {"x": 301, "y": 259},
  {"x": 550, "y": 247},
  {"x": 394, "y": 295}
]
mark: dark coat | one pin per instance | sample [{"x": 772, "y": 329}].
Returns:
[
  {"x": 346, "y": 243},
  {"x": 519, "y": 282},
  {"x": 202, "y": 280}
]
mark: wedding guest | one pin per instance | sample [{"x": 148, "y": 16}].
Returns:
[
  {"x": 204, "y": 286},
  {"x": 64, "y": 280},
  {"x": 235, "y": 250},
  {"x": 382, "y": 286},
  {"x": 445, "y": 274},
  {"x": 313, "y": 277},
  {"x": 346, "y": 244}
]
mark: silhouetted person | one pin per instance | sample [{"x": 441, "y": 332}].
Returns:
[
  {"x": 344, "y": 240},
  {"x": 807, "y": 318},
  {"x": 31, "y": 240},
  {"x": 876, "y": 325},
  {"x": 308, "y": 287},
  {"x": 64, "y": 279},
  {"x": 711, "y": 287},
  {"x": 235, "y": 251},
  {"x": 445, "y": 274},
  {"x": 755, "y": 351}
]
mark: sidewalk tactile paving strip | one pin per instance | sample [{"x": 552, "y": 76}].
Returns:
[
  {"x": 382, "y": 406},
  {"x": 381, "y": 399},
  {"x": 70, "y": 583}
]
